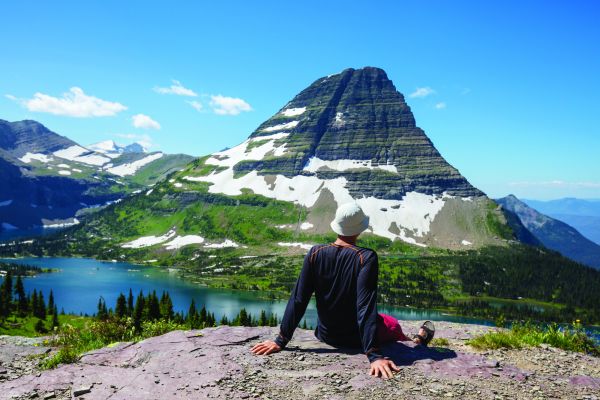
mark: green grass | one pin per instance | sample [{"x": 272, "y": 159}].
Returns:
[
  {"x": 17, "y": 326},
  {"x": 529, "y": 335},
  {"x": 73, "y": 341}
]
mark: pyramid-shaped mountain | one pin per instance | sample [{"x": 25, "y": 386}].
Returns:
[
  {"x": 351, "y": 136},
  {"x": 357, "y": 120}
]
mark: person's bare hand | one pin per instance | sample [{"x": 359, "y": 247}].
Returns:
[
  {"x": 265, "y": 348},
  {"x": 383, "y": 368}
]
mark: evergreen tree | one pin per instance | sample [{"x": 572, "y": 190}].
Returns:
[
  {"x": 130, "y": 303},
  {"x": 304, "y": 325},
  {"x": 202, "y": 317},
  {"x": 193, "y": 316},
  {"x": 153, "y": 307},
  {"x": 166, "y": 306},
  {"x": 102, "y": 313},
  {"x": 33, "y": 305},
  {"x": 121, "y": 306},
  {"x": 22, "y": 305},
  {"x": 224, "y": 320},
  {"x": 262, "y": 320},
  {"x": 138, "y": 312},
  {"x": 41, "y": 307},
  {"x": 50, "y": 308},
  {"x": 6, "y": 296},
  {"x": 55, "y": 322}
]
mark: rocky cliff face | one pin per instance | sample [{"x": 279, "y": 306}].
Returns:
[
  {"x": 357, "y": 121},
  {"x": 21, "y": 137},
  {"x": 554, "y": 234}
]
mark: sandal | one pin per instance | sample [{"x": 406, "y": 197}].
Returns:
[{"x": 429, "y": 329}]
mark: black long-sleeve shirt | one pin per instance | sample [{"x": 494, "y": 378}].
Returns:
[{"x": 344, "y": 280}]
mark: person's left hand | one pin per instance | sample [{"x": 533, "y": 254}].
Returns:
[{"x": 265, "y": 348}]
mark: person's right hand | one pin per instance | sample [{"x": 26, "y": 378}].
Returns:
[{"x": 383, "y": 368}]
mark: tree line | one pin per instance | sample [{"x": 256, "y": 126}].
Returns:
[
  {"x": 150, "y": 307},
  {"x": 15, "y": 302}
]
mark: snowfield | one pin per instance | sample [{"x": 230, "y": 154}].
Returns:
[
  {"x": 64, "y": 172},
  {"x": 75, "y": 221},
  {"x": 306, "y": 225},
  {"x": 407, "y": 219},
  {"x": 292, "y": 112},
  {"x": 180, "y": 241},
  {"x": 131, "y": 168},
  {"x": 315, "y": 163},
  {"x": 226, "y": 243},
  {"x": 304, "y": 246},
  {"x": 282, "y": 127},
  {"x": 28, "y": 157},
  {"x": 146, "y": 241},
  {"x": 82, "y": 155}
]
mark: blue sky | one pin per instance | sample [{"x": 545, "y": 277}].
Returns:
[{"x": 514, "y": 87}]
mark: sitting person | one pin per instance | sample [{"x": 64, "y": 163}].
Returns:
[{"x": 343, "y": 277}]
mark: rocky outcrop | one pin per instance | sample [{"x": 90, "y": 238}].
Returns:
[{"x": 216, "y": 363}]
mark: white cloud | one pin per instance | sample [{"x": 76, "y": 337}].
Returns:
[
  {"x": 144, "y": 122},
  {"x": 196, "y": 105},
  {"x": 558, "y": 184},
  {"x": 223, "y": 105},
  {"x": 74, "y": 103},
  {"x": 11, "y": 97},
  {"x": 440, "y": 105},
  {"x": 422, "y": 92},
  {"x": 465, "y": 91},
  {"x": 177, "y": 89},
  {"x": 145, "y": 140}
]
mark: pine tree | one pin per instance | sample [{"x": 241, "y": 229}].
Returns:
[
  {"x": 153, "y": 307},
  {"x": 102, "y": 313},
  {"x": 6, "y": 296},
  {"x": 192, "y": 316},
  {"x": 41, "y": 308},
  {"x": 224, "y": 320},
  {"x": 121, "y": 306},
  {"x": 130, "y": 303},
  {"x": 50, "y": 308},
  {"x": 202, "y": 317},
  {"x": 138, "y": 312},
  {"x": 262, "y": 320},
  {"x": 166, "y": 306},
  {"x": 22, "y": 305},
  {"x": 55, "y": 322},
  {"x": 304, "y": 325},
  {"x": 34, "y": 303}
]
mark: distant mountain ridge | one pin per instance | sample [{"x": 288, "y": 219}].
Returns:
[
  {"x": 46, "y": 178},
  {"x": 554, "y": 234},
  {"x": 582, "y": 214}
]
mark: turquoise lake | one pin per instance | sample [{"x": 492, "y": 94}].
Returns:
[{"x": 80, "y": 283}]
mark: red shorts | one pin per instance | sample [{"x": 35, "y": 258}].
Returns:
[{"x": 388, "y": 329}]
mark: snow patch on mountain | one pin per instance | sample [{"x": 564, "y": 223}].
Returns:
[
  {"x": 282, "y": 127},
  {"x": 28, "y": 157},
  {"x": 146, "y": 241},
  {"x": 131, "y": 168},
  {"x": 315, "y": 163},
  {"x": 226, "y": 243},
  {"x": 181, "y": 241},
  {"x": 304, "y": 246},
  {"x": 64, "y": 172},
  {"x": 82, "y": 155},
  {"x": 292, "y": 112}
]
